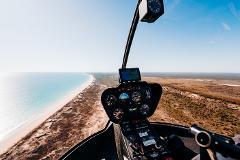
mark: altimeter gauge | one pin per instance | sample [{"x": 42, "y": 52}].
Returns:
[
  {"x": 111, "y": 100},
  {"x": 136, "y": 97}
]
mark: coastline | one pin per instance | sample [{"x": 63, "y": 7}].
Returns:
[
  {"x": 23, "y": 129},
  {"x": 84, "y": 115}
]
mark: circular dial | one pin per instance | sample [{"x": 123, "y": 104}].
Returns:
[
  {"x": 118, "y": 114},
  {"x": 110, "y": 100},
  {"x": 136, "y": 97},
  {"x": 144, "y": 109},
  {"x": 123, "y": 97},
  {"x": 154, "y": 5}
]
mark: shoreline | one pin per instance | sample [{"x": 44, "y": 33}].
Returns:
[
  {"x": 84, "y": 115},
  {"x": 27, "y": 127}
]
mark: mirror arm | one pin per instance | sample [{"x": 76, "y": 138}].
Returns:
[{"x": 131, "y": 35}]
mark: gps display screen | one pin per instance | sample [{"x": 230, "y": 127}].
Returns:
[{"x": 129, "y": 74}]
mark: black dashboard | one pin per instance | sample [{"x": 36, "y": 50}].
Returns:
[{"x": 131, "y": 101}]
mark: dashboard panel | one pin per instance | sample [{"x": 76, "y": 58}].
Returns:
[{"x": 131, "y": 101}]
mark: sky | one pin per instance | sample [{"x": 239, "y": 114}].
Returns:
[{"x": 90, "y": 36}]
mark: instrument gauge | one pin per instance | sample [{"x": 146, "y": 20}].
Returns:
[
  {"x": 155, "y": 6},
  {"x": 144, "y": 109},
  {"x": 124, "y": 97},
  {"x": 118, "y": 114},
  {"x": 110, "y": 100},
  {"x": 136, "y": 97},
  {"x": 148, "y": 93}
]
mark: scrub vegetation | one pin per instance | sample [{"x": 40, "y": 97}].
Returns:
[{"x": 206, "y": 103}]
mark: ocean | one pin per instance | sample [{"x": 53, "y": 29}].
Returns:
[{"x": 24, "y": 96}]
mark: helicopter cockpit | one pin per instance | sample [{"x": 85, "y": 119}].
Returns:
[{"x": 129, "y": 134}]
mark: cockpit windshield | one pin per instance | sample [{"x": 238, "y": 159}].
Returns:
[{"x": 58, "y": 57}]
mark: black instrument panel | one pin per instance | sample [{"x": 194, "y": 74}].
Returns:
[{"x": 131, "y": 101}]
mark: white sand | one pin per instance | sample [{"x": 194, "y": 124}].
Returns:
[
  {"x": 231, "y": 85},
  {"x": 18, "y": 133}
]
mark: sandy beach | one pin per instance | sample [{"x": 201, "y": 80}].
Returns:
[
  {"x": 22, "y": 130},
  {"x": 17, "y": 137}
]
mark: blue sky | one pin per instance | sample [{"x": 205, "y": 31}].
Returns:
[{"x": 90, "y": 36}]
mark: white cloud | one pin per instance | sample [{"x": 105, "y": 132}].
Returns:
[
  {"x": 235, "y": 12},
  {"x": 226, "y": 26}
]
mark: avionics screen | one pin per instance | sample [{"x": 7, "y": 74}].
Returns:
[{"x": 129, "y": 74}]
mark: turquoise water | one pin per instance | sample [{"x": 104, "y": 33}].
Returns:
[{"x": 24, "y": 96}]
